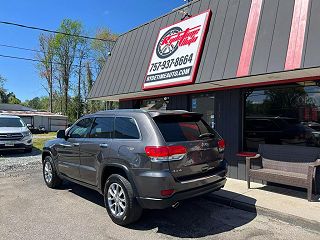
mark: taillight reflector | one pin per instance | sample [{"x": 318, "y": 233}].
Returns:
[
  {"x": 152, "y": 151},
  {"x": 165, "y": 152},
  {"x": 221, "y": 144},
  {"x": 167, "y": 192}
]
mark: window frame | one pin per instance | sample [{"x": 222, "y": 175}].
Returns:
[
  {"x": 75, "y": 125},
  {"x": 244, "y": 96},
  {"x": 113, "y": 124},
  {"x": 127, "y": 139}
]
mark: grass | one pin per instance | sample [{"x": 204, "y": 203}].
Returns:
[{"x": 40, "y": 139}]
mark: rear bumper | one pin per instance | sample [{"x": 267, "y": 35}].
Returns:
[{"x": 161, "y": 203}]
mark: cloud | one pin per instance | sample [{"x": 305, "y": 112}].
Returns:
[{"x": 106, "y": 12}]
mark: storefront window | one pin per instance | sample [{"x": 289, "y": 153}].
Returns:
[
  {"x": 155, "y": 104},
  {"x": 288, "y": 114},
  {"x": 204, "y": 103}
]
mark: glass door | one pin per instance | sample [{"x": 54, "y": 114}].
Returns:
[{"x": 204, "y": 103}]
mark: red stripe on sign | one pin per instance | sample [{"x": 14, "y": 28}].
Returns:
[
  {"x": 249, "y": 38},
  {"x": 297, "y": 33}
]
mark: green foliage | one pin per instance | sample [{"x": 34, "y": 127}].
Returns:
[
  {"x": 39, "y": 103},
  {"x": 12, "y": 99},
  {"x": 65, "y": 49},
  {"x": 101, "y": 49},
  {"x": 69, "y": 80}
]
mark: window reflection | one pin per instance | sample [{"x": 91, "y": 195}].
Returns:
[{"x": 283, "y": 115}]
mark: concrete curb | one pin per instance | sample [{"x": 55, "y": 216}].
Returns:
[{"x": 291, "y": 219}]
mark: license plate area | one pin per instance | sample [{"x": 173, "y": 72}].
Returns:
[{"x": 9, "y": 144}]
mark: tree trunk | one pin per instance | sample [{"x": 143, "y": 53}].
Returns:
[
  {"x": 79, "y": 90},
  {"x": 66, "y": 88},
  {"x": 50, "y": 91}
]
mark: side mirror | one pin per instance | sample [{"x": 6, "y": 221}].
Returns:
[
  {"x": 29, "y": 125},
  {"x": 61, "y": 134}
]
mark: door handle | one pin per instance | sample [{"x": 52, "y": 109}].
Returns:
[
  {"x": 104, "y": 145},
  {"x": 65, "y": 145}
]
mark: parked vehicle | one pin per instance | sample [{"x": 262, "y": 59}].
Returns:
[
  {"x": 276, "y": 130},
  {"x": 37, "y": 130},
  {"x": 14, "y": 134},
  {"x": 138, "y": 159}
]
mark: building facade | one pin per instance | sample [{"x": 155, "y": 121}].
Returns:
[
  {"x": 50, "y": 121},
  {"x": 254, "y": 70}
]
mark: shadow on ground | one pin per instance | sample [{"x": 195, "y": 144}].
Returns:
[
  {"x": 194, "y": 218},
  {"x": 20, "y": 153},
  {"x": 292, "y": 191}
]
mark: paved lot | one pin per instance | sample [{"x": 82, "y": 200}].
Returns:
[{"x": 30, "y": 210}]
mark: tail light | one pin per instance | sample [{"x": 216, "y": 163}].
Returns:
[
  {"x": 221, "y": 145},
  {"x": 165, "y": 153},
  {"x": 167, "y": 192}
]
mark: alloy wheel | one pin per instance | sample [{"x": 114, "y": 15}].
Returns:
[
  {"x": 116, "y": 200},
  {"x": 48, "y": 172}
]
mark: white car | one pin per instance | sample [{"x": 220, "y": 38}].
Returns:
[{"x": 14, "y": 134}]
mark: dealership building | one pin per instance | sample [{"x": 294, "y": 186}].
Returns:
[{"x": 251, "y": 67}]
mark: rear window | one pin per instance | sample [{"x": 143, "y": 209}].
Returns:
[
  {"x": 11, "y": 122},
  {"x": 179, "y": 128}
]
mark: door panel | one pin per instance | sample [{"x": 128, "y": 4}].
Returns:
[
  {"x": 92, "y": 153},
  {"x": 69, "y": 149},
  {"x": 95, "y": 148},
  {"x": 68, "y": 157}
]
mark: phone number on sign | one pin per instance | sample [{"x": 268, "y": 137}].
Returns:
[{"x": 175, "y": 62}]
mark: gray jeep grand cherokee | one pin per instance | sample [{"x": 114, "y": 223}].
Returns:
[{"x": 138, "y": 159}]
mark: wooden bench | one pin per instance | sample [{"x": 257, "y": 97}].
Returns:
[{"x": 285, "y": 164}]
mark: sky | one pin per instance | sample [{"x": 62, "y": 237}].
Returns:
[{"x": 119, "y": 16}]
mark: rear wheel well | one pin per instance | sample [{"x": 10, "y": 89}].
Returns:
[{"x": 108, "y": 171}]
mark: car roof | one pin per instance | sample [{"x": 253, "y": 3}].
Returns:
[
  {"x": 8, "y": 116},
  {"x": 152, "y": 113}
]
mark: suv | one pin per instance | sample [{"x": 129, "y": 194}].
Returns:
[
  {"x": 14, "y": 134},
  {"x": 138, "y": 159}
]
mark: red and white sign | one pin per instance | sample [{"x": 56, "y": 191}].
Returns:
[{"x": 176, "y": 56}]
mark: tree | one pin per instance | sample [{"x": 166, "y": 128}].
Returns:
[
  {"x": 83, "y": 52},
  {"x": 39, "y": 103},
  {"x": 3, "y": 93},
  {"x": 45, "y": 66},
  {"x": 12, "y": 99},
  {"x": 100, "y": 48},
  {"x": 65, "y": 49}
]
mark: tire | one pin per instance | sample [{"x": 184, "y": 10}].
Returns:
[
  {"x": 54, "y": 181},
  {"x": 132, "y": 211}
]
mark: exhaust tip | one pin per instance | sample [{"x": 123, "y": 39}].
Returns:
[{"x": 176, "y": 205}]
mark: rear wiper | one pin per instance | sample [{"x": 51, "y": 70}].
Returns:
[{"x": 203, "y": 135}]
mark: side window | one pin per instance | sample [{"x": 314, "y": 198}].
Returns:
[
  {"x": 81, "y": 129},
  {"x": 102, "y": 128},
  {"x": 126, "y": 128}
]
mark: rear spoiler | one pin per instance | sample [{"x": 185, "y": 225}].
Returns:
[{"x": 155, "y": 114}]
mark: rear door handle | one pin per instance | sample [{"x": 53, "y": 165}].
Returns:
[
  {"x": 65, "y": 145},
  {"x": 104, "y": 145}
]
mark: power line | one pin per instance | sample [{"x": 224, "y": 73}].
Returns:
[
  {"x": 36, "y": 60},
  {"x": 35, "y": 50},
  {"x": 55, "y": 32}
]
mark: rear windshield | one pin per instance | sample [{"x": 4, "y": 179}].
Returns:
[
  {"x": 11, "y": 122},
  {"x": 179, "y": 128}
]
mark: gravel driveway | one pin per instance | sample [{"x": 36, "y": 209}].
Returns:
[{"x": 19, "y": 161}]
